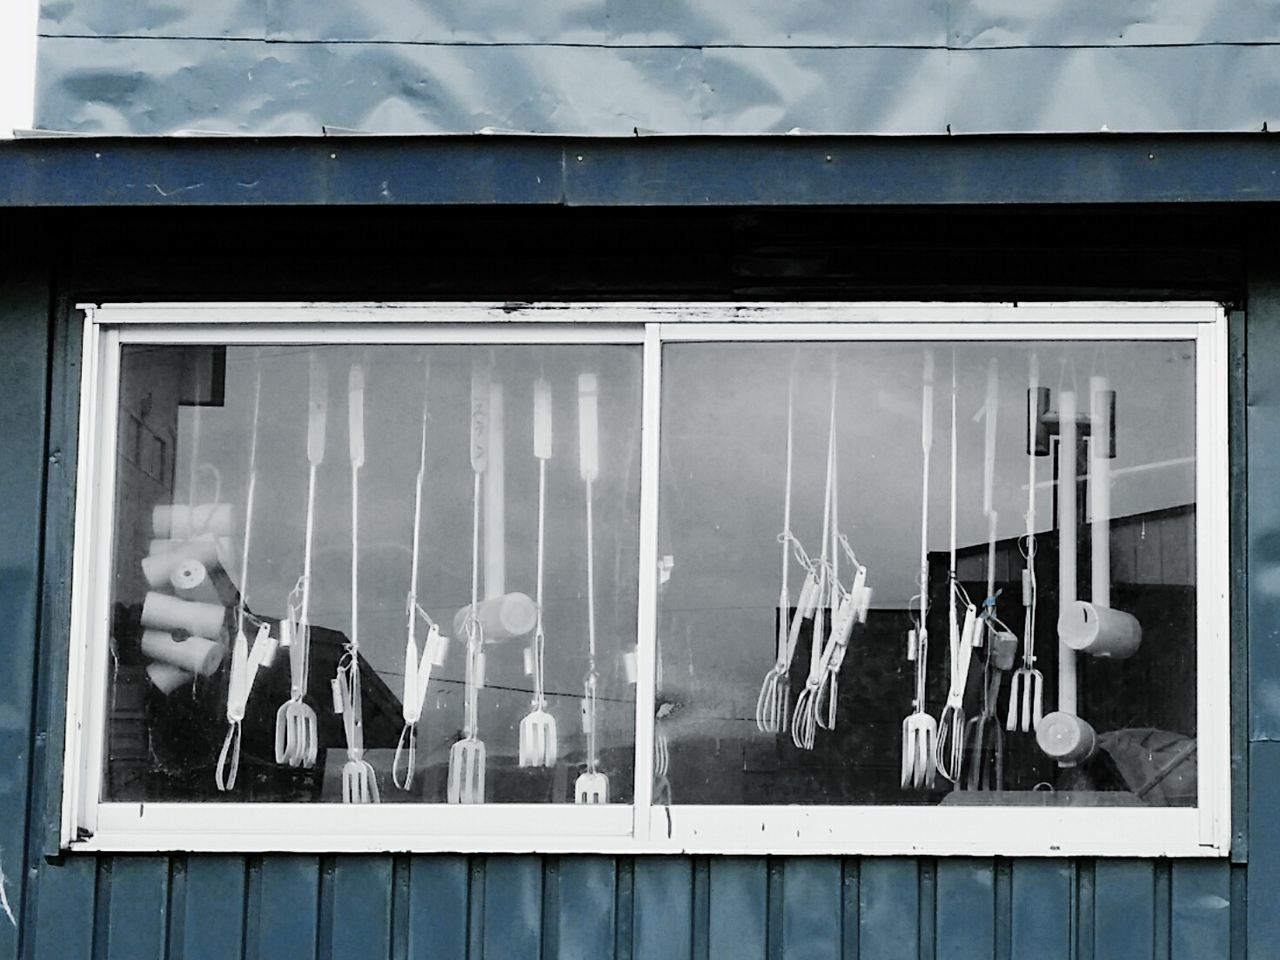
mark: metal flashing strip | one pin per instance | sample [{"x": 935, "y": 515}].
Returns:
[{"x": 649, "y": 171}]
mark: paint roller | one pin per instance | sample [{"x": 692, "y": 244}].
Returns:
[
  {"x": 195, "y": 655},
  {"x": 163, "y": 612}
]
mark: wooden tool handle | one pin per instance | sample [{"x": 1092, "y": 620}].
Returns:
[
  {"x": 317, "y": 410},
  {"x": 480, "y": 377},
  {"x": 542, "y": 419},
  {"x": 355, "y": 414},
  {"x": 588, "y": 427}
]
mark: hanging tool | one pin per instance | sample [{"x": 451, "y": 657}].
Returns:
[
  {"x": 919, "y": 729},
  {"x": 359, "y": 781},
  {"x": 985, "y": 740},
  {"x": 804, "y": 719},
  {"x": 467, "y": 755},
  {"x": 848, "y": 607},
  {"x": 773, "y": 705},
  {"x": 949, "y": 747},
  {"x": 983, "y": 732},
  {"x": 591, "y": 786},
  {"x": 538, "y": 728},
  {"x": 297, "y": 729},
  {"x": 1063, "y": 734},
  {"x": 245, "y": 659},
  {"x": 1026, "y": 688},
  {"x": 417, "y": 670}
]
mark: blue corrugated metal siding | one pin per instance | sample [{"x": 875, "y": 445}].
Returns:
[
  {"x": 504, "y": 908},
  {"x": 276, "y": 907}
]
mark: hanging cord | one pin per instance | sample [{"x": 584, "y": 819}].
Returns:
[
  {"x": 773, "y": 704},
  {"x": 919, "y": 729},
  {"x": 359, "y": 781},
  {"x": 244, "y": 661},
  {"x": 297, "y": 741},
  {"x": 950, "y": 741},
  {"x": 1026, "y": 688},
  {"x": 414, "y": 689},
  {"x": 471, "y": 625},
  {"x": 539, "y": 638},
  {"x": 804, "y": 720}
]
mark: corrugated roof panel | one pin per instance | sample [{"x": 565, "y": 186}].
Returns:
[
  {"x": 154, "y": 18},
  {"x": 284, "y": 88},
  {"x": 1069, "y": 23},
  {"x": 1134, "y": 89},
  {"x": 879, "y": 90},
  {"x": 442, "y": 21}
]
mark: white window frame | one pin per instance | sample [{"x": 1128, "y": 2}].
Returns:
[{"x": 93, "y": 825}]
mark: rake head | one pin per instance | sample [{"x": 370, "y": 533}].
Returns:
[
  {"x": 297, "y": 734},
  {"x": 1026, "y": 700},
  {"x": 466, "y": 771},
  {"x": 538, "y": 739},
  {"x": 919, "y": 733},
  {"x": 359, "y": 782},
  {"x": 591, "y": 788}
]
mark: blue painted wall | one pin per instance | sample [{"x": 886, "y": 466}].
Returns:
[{"x": 501, "y": 907}]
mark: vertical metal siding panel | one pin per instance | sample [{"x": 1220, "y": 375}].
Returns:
[
  {"x": 966, "y": 909},
  {"x": 1263, "y": 412},
  {"x": 64, "y": 919},
  {"x": 1200, "y": 913},
  {"x": 738, "y": 908},
  {"x": 1124, "y": 910},
  {"x": 362, "y": 907},
  {"x": 1264, "y": 842},
  {"x": 438, "y": 907},
  {"x": 1238, "y": 461},
  {"x": 214, "y": 908},
  {"x": 889, "y": 909},
  {"x": 513, "y": 908},
  {"x": 24, "y": 312},
  {"x": 588, "y": 886},
  {"x": 137, "y": 918},
  {"x": 288, "y": 908},
  {"x": 811, "y": 908},
  {"x": 662, "y": 915},
  {"x": 1041, "y": 908}
]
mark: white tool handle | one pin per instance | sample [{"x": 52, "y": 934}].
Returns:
[
  {"x": 412, "y": 601},
  {"x": 317, "y": 410},
  {"x": 542, "y": 419},
  {"x": 248, "y": 506},
  {"x": 588, "y": 427},
  {"x": 355, "y": 414},
  {"x": 953, "y": 628},
  {"x": 926, "y": 447},
  {"x": 1100, "y": 491},
  {"x": 1067, "y": 533},
  {"x": 990, "y": 414},
  {"x": 480, "y": 377}
]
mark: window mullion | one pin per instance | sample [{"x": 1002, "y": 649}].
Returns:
[{"x": 647, "y": 593}]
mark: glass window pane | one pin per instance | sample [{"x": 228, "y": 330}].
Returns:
[
  {"x": 308, "y": 430},
  {"x": 749, "y": 712}
]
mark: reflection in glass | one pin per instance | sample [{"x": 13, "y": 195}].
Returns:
[
  {"x": 365, "y": 570},
  {"x": 832, "y": 630}
]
